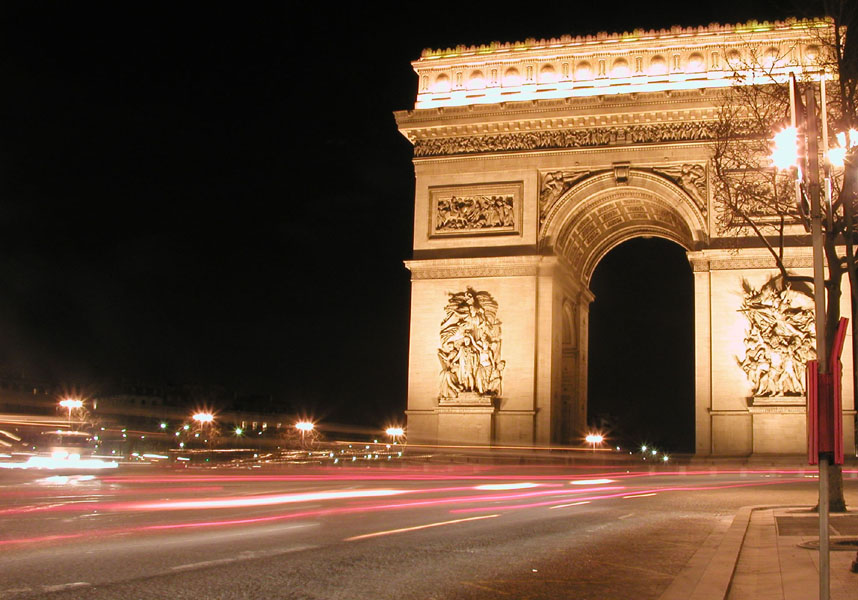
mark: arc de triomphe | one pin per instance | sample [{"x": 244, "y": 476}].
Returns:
[{"x": 532, "y": 161}]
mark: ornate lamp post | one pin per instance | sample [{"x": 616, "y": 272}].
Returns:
[{"x": 799, "y": 145}]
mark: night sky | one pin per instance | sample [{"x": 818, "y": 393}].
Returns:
[{"x": 217, "y": 194}]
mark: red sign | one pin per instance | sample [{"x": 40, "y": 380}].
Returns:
[{"x": 824, "y": 404}]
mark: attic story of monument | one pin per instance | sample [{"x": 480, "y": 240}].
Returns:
[{"x": 532, "y": 161}]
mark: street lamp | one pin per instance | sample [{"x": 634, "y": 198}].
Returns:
[
  {"x": 304, "y": 427},
  {"x": 798, "y": 147},
  {"x": 71, "y": 404},
  {"x": 395, "y": 433},
  {"x": 593, "y": 439},
  {"x": 203, "y": 418}
]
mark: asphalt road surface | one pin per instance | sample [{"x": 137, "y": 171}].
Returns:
[{"x": 422, "y": 532}]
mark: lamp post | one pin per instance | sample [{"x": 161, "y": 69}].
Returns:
[
  {"x": 71, "y": 404},
  {"x": 823, "y": 399},
  {"x": 205, "y": 419},
  {"x": 395, "y": 433},
  {"x": 304, "y": 427},
  {"x": 593, "y": 439}
]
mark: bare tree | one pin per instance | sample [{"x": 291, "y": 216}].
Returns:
[{"x": 756, "y": 201}]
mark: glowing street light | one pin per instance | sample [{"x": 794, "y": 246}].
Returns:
[
  {"x": 71, "y": 404},
  {"x": 845, "y": 141},
  {"x": 304, "y": 427},
  {"x": 785, "y": 151},
  {"x": 395, "y": 433},
  {"x": 203, "y": 418},
  {"x": 593, "y": 439}
]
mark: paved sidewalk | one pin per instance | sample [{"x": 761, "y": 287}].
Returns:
[{"x": 758, "y": 556}]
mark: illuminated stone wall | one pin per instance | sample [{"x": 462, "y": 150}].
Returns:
[{"x": 532, "y": 161}]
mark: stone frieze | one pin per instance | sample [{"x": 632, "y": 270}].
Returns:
[
  {"x": 460, "y": 214},
  {"x": 566, "y": 138}
]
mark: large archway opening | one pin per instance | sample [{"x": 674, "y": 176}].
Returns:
[{"x": 641, "y": 346}]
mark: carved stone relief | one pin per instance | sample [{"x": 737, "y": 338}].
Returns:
[
  {"x": 475, "y": 209},
  {"x": 470, "y": 346},
  {"x": 691, "y": 178},
  {"x": 779, "y": 340},
  {"x": 566, "y": 138},
  {"x": 462, "y": 213},
  {"x": 554, "y": 185}
]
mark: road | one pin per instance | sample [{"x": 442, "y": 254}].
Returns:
[{"x": 419, "y": 532}]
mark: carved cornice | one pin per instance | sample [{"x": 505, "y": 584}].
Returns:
[
  {"x": 593, "y": 137},
  {"x": 704, "y": 263},
  {"x": 777, "y": 410},
  {"x": 554, "y": 113},
  {"x": 460, "y": 268}
]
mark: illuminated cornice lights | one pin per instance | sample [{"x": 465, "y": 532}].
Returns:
[{"x": 694, "y": 64}]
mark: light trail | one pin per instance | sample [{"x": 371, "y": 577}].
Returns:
[
  {"x": 449, "y": 475},
  {"x": 572, "y": 504},
  {"x": 651, "y": 491},
  {"x": 262, "y": 500},
  {"x": 74, "y": 503},
  {"x": 599, "y": 493},
  {"x": 416, "y": 528}
]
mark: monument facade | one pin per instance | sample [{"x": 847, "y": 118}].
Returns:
[{"x": 532, "y": 161}]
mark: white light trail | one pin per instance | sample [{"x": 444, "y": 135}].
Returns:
[
  {"x": 506, "y": 486},
  {"x": 264, "y": 500},
  {"x": 591, "y": 481}
]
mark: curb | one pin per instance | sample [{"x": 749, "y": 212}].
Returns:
[{"x": 709, "y": 573}]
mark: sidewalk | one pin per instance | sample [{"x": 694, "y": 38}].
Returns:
[{"x": 758, "y": 557}]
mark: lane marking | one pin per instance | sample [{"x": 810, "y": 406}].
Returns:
[
  {"x": 205, "y": 563},
  {"x": 625, "y": 516},
  {"x": 247, "y": 555},
  {"x": 65, "y": 586},
  {"x": 21, "y": 590},
  {"x": 565, "y": 505},
  {"x": 639, "y": 495},
  {"x": 404, "y": 529}
]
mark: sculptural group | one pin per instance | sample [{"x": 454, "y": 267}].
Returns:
[
  {"x": 779, "y": 341},
  {"x": 470, "y": 346}
]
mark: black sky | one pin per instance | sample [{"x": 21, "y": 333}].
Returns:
[{"x": 217, "y": 193}]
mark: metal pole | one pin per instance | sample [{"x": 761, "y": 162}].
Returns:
[
  {"x": 824, "y": 565},
  {"x": 819, "y": 297}
]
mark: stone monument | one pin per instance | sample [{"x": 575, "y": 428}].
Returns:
[{"x": 533, "y": 160}]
